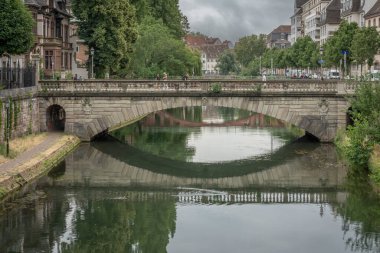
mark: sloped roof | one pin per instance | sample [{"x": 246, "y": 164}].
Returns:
[
  {"x": 200, "y": 40},
  {"x": 356, "y": 7},
  {"x": 332, "y": 13},
  {"x": 213, "y": 51},
  {"x": 374, "y": 11},
  {"x": 282, "y": 29},
  {"x": 299, "y": 3}
]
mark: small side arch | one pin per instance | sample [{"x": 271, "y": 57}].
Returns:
[{"x": 55, "y": 118}]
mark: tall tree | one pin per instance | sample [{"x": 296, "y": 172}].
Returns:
[
  {"x": 110, "y": 28},
  {"x": 339, "y": 43},
  {"x": 250, "y": 47},
  {"x": 365, "y": 45},
  {"x": 16, "y": 25},
  {"x": 165, "y": 10},
  {"x": 227, "y": 63},
  {"x": 157, "y": 50},
  {"x": 304, "y": 53}
]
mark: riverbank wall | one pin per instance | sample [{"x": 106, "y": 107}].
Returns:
[
  {"x": 41, "y": 164},
  {"x": 21, "y": 106}
]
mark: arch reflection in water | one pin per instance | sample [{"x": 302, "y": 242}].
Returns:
[
  {"x": 98, "y": 168},
  {"x": 208, "y": 134}
]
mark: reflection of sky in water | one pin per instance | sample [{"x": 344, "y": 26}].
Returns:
[
  {"x": 221, "y": 144},
  {"x": 258, "y": 228}
]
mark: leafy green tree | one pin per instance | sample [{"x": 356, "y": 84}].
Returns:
[
  {"x": 227, "y": 63},
  {"x": 253, "y": 68},
  {"x": 157, "y": 50},
  {"x": 341, "y": 41},
  {"x": 250, "y": 47},
  {"x": 165, "y": 10},
  {"x": 16, "y": 25},
  {"x": 365, "y": 132},
  {"x": 365, "y": 45},
  {"x": 304, "y": 53},
  {"x": 110, "y": 28}
]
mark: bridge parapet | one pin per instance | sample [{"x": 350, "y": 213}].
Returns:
[{"x": 198, "y": 86}]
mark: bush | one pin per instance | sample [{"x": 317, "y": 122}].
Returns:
[
  {"x": 216, "y": 88},
  {"x": 365, "y": 133}
]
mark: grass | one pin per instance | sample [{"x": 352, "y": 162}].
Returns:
[{"x": 20, "y": 145}]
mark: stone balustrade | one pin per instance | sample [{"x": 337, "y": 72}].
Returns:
[{"x": 198, "y": 86}]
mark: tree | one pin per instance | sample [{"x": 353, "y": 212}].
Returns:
[
  {"x": 304, "y": 53},
  {"x": 340, "y": 42},
  {"x": 250, "y": 47},
  {"x": 16, "y": 25},
  {"x": 110, "y": 28},
  {"x": 157, "y": 50},
  {"x": 165, "y": 10},
  {"x": 365, "y": 45},
  {"x": 227, "y": 63}
]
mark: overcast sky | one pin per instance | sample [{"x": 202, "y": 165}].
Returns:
[{"x": 232, "y": 19}]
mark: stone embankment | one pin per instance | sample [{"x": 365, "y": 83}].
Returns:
[{"x": 34, "y": 163}]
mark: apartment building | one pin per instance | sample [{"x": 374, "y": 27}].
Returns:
[
  {"x": 210, "y": 50},
  {"x": 279, "y": 37},
  {"x": 311, "y": 14},
  {"x": 330, "y": 20},
  {"x": 297, "y": 25},
  {"x": 372, "y": 18}
]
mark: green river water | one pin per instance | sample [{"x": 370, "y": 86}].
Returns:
[{"x": 200, "y": 179}]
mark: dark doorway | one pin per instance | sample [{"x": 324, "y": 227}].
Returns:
[
  {"x": 55, "y": 118},
  {"x": 349, "y": 119}
]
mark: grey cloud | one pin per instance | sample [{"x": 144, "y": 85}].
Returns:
[{"x": 232, "y": 19}]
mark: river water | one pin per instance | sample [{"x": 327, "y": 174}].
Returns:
[{"x": 200, "y": 179}]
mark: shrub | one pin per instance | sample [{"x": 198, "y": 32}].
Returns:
[{"x": 216, "y": 88}]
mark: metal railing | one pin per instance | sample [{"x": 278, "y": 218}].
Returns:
[{"x": 11, "y": 78}]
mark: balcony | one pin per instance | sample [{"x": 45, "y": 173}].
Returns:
[{"x": 56, "y": 42}]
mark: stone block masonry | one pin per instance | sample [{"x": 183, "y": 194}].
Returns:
[{"x": 23, "y": 110}]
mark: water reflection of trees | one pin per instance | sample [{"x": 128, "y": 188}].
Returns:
[
  {"x": 159, "y": 135},
  {"x": 360, "y": 214},
  {"x": 97, "y": 225}
]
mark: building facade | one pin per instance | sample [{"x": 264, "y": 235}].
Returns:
[
  {"x": 210, "y": 50},
  {"x": 330, "y": 20},
  {"x": 52, "y": 45},
  {"x": 279, "y": 37}
]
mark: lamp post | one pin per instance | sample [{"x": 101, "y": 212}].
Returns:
[
  {"x": 92, "y": 62},
  {"x": 7, "y": 128},
  {"x": 321, "y": 61}
]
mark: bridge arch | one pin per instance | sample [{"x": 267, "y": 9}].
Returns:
[
  {"x": 314, "y": 120},
  {"x": 55, "y": 118}
]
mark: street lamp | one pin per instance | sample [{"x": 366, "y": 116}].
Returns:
[
  {"x": 321, "y": 61},
  {"x": 92, "y": 62},
  {"x": 7, "y": 127}
]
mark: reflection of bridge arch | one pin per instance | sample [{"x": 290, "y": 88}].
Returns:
[
  {"x": 256, "y": 120},
  {"x": 99, "y": 169}
]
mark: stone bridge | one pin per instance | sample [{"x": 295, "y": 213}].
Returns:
[{"x": 89, "y": 108}]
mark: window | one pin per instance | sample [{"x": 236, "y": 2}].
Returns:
[{"x": 48, "y": 59}]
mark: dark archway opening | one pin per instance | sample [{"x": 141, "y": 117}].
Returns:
[
  {"x": 349, "y": 119},
  {"x": 55, "y": 118}
]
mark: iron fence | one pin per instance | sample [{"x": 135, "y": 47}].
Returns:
[{"x": 12, "y": 78}]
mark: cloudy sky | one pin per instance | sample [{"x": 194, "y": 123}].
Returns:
[{"x": 232, "y": 19}]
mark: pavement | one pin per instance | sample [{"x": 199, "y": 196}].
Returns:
[{"x": 28, "y": 155}]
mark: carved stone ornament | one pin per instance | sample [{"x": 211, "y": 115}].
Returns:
[
  {"x": 86, "y": 106},
  {"x": 324, "y": 106},
  {"x": 204, "y": 101}
]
